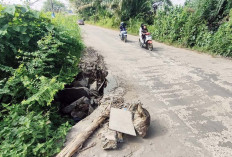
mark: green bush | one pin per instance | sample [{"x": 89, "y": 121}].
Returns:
[
  {"x": 133, "y": 26},
  {"x": 222, "y": 39},
  {"x": 38, "y": 57},
  {"x": 181, "y": 25}
]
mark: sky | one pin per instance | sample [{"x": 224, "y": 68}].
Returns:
[
  {"x": 178, "y": 2},
  {"x": 39, "y": 4}
]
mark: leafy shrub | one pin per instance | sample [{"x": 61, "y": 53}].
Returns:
[
  {"x": 38, "y": 57},
  {"x": 183, "y": 26},
  {"x": 122, "y": 9},
  {"x": 134, "y": 25},
  {"x": 222, "y": 39}
]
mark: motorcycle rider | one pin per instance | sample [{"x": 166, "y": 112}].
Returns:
[
  {"x": 144, "y": 36},
  {"x": 122, "y": 26},
  {"x": 144, "y": 31}
]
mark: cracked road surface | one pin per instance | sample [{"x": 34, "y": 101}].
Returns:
[{"x": 189, "y": 97}]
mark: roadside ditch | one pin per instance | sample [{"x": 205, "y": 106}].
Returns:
[
  {"x": 80, "y": 98},
  {"x": 95, "y": 99}
]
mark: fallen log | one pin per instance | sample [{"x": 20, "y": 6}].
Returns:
[{"x": 77, "y": 143}]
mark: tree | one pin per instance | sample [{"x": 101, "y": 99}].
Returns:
[
  {"x": 123, "y": 9},
  {"x": 214, "y": 12},
  {"x": 161, "y": 3},
  {"x": 57, "y": 6}
]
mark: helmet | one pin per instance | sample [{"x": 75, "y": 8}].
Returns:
[
  {"x": 142, "y": 25},
  {"x": 122, "y": 23}
]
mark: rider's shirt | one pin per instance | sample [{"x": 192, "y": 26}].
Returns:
[
  {"x": 145, "y": 30},
  {"x": 122, "y": 28}
]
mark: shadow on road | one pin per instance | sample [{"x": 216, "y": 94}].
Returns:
[
  {"x": 156, "y": 129},
  {"x": 130, "y": 41},
  {"x": 158, "y": 48}
]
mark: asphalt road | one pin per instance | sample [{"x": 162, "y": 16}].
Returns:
[{"x": 188, "y": 94}]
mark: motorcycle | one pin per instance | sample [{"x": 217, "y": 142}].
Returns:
[
  {"x": 148, "y": 42},
  {"x": 123, "y": 36}
]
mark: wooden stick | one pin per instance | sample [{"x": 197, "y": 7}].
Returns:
[
  {"x": 76, "y": 143},
  {"x": 92, "y": 145},
  {"x": 101, "y": 85}
]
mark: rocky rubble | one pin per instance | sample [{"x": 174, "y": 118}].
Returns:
[
  {"x": 82, "y": 96},
  {"x": 140, "y": 117},
  {"x": 85, "y": 94}
]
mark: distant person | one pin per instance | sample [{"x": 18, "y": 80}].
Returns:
[
  {"x": 122, "y": 26},
  {"x": 144, "y": 31}
]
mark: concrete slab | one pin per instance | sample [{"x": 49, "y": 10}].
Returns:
[{"x": 121, "y": 121}]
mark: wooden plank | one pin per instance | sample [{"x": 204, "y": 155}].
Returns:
[{"x": 121, "y": 121}]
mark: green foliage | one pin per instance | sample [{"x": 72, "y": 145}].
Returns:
[
  {"x": 38, "y": 57},
  {"x": 134, "y": 8},
  {"x": 185, "y": 26},
  {"x": 133, "y": 26},
  {"x": 212, "y": 11},
  {"x": 29, "y": 133},
  {"x": 122, "y": 10},
  {"x": 20, "y": 29},
  {"x": 222, "y": 39}
]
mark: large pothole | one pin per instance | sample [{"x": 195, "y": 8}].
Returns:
[
  {"x": 82, "y": 96},
  {"x": 85, "y": 94}
]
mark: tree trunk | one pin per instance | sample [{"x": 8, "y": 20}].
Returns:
[{"x": 77, "y": 143}]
